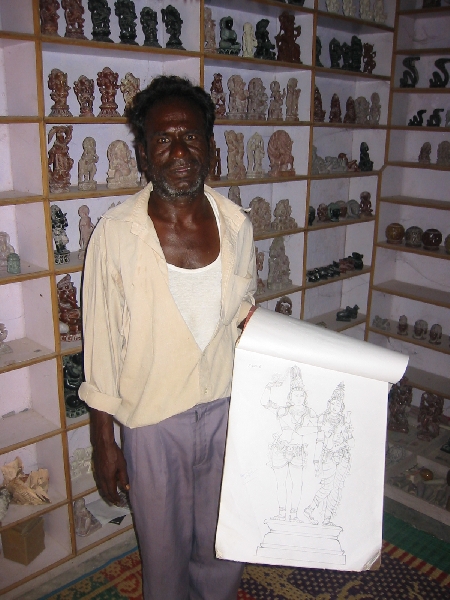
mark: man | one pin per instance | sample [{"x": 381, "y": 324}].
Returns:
[{"x": 169, "y": 277}]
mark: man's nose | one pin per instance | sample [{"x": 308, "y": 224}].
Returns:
[{"x": 179, "y": 147}]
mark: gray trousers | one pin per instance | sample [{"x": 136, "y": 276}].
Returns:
[{"x": 175, "y": 472}]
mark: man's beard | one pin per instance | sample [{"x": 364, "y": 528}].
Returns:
[{"x": 166, "y": 190}]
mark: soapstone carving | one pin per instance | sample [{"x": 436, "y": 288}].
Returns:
[
  {"x": 210, "y": 31},
  {"x": 276, "y": 101},
  {"x": 346, "y": 51},
  {"x": 122, "y": 171},
  {"x": 87, "y": 165},
  {"x": 349, "y": 8},
  {"x": 356, "y": 53},
  {"x": 257, "y": 99},
  {"x": 85, "y": 227},
  {"x": 318, "y": 51},
  {"x": 255, "y": 155},
  {"x": 100, "y": 16},
  {"x": 57, "y": 84},
  {"x": 260, "y": 286},
  {"x": 333, "y": 6},
  {"x": 365, "y": 12},
  {"x": 73, "y": 13},
  {"x": 228, "y": 38},
  {"x": 4, "y": 348},
  {"x": 279, "y": 266},
  {"x": 234, "y": 194},
  {"x": 417, "y": 120},
  {"x": 48, "y": 12},
  {"x": 400, "y": 398},
  {"x": 375, "y": 109},
  {"x": 311, "y": 215},
  {"x": 5, "y": 499},
  {"x": 420, "y": 329},
  {"x": 292, "y": 98},
  {"x": 380, "y": 323},
  {"x": 430, "y": 411},
  {"x": 335, "y": 54},
  {"x": 318, "y": 165},
  {"x": 173, "y": 22},
  {"x": 25, "y": 488},
  {"x": 435, "y": 119},
  {"x": 282, "y": 213},
  {"x": 411, "y": 74},
  {"x": 238, "y": 98},
  {"x": 215, "y": 170},
  {"x": 149, "y": 23},
  {"x": 5, "y": 250},
  {"x": 425, "y": 154},
  {"x": 279, "y": 150},
  {"x": 365, "y": 164},
  {"x": 129, "y": 86},
  {"x": 81, "y": 459},
  {"x": 249, "y": 42},
  {"x": 435, "y": 334},
  {"x": 319, "y": 113},
  {"x": 335, "y": 110},
  {"x": 69, "y": 311},
  {"x": 369, "y": 58},
  {"x": 443, "y": 154},
  {"x": 235, "y": 158},
  {"x": 322, "y": 212},
  {"x": 413, "y": 237},
  {"x": 13, "y": 263},
  {"x": 438, "y": 80},
  {"x": 379, "y": 16},
  {"x": 260, "y": 215},
  {"x": 84, "y": 91},
  {"x": 218, "y": 95},
  {"x": 73, "y": 376},
  {"x": 347, "y": 314},
  {"x": 336, "y": 164},
  {"x": 84, "y": 521},
  {"x": 108, "y": 86},
  {"x": 264, "y": 47},
  {"x": 402, "y": 325},
  {"x": 59, "y": 224},
  {"x": 284, "y": 306},
  {"x": 126, "y": 13},
  {"x": 59, "y": 161},
  {"x": 287, "y": 47},
  {"x": 350, "y": 111},
  {"x": 365, "y": 205}
]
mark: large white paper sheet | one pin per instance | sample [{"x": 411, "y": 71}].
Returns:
[{"x": 304, "y": 463}]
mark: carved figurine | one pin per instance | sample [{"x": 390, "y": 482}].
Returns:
[
  {"x": 411, "y": 75},
  {"x": 234, "y": 194},
  {"x": 260, "y": 215},
  {"x": 443, "y": 154},
  {"x": 379, "y": 16},
  {"x": 69, "y": 311},
  {"x": 249, "y": 42},
  {"x": 402, "y": 326},
  {"x": 25, "y": 489},
  {"x": 85, "y": 227},
  {"x": 84, "y": 91},
  {"x": 260, "y": 286},
  {"x": 210, "y": 31},
  {"x": 84, "y": 521},
  {"x": 292, "y": 98},
  {"x": 73, "y": 13},
  {"x": 13, "y": 263},
  {"x": 322, "y": 212},
  {"x": 4, "y": 348},
  {"x": 365, "y": 12},
  {"x": 349, "y": 8},
  {"x": 75, "y": 407},
  {"x": 357, "y": 53},
  {"x": 362, "y": 108},
  {"x": 173, "y": 22},
  {"x": 365, "y": 164},
  {"x": 238, "y": 99},
  {"x": 87, "y": 165},
  {"x": 264, "y": 47},
  {"x": 108, "y": 86},
  {"x": 380, "y": 323},
  {"x": 129, "y": 86},
  {"x": 333, "y": 6},
  {"x": 257, "y": 99},
  {"x": 215, "y": 169},
  {"x": 57, "y": 83},
  {"x": 149, "y": 23},
  {"x": 228, "y": 38},
  {"x": 400, "y": 398},
  {"x": 284, "y": 306},
  {"x": 346, "y": 51},
  {"x": 279, "y": 266},
  {"x": 287, "y": 47},
  {"x": 365, "y": 205},
  {"x": 435, "y": 119},
  {"x": 369, "y": 58},
  {"x": 417, "y": 120},
  {"x": 335, "y": 54},
  {"x": 311, "y": 215},
  {"x": 276, "y": 101},
  {"x": 59, "y": 224},
  {"x": 437, "y": 81},
  {"x": 350, "y": 111},
  {"x": 435, "y": 334},
  {"x": 5, "y": 250},
  {"x": 48, "y": 12},
  {"x": 425, "y": 154},
  {"x": 279, "y": 150},
  {"x": 255, "y": 155},
  {"x": 126, "y": 13},
  {"x": 335, "y": 110},
  {"x": 430, "y": 411},
  {"x": 353, "y": 209},
  {"x": 318, "y": 51},
  {"x": 100, "y": 15},
  {"x": 122, "y": 171},
  {"x": 319, "y": 113},
  {"x": 235, "y": 159},
  {"x": 59, "y": 161},
  {"x": 282, "y": 213},
  {"x": 318, "y": 165},
  {"x": 375, "y": 109},
  {"x": 420, "y": 329},
  {"x": 218, "y": 95}
]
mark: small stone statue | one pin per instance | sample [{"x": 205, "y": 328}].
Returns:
[
  {"x": 319, "y": 113},
  {"x": 84, "y": 91},
  {"x": 100, "y": 15},
  {"x": 365, "y": 164},
  {"x": 365, "y": 205},
  {"x": 87, "y": 165},
  {"x": 210, "y": 31},
  {"x": 4, "y": 348},
  {"x": 379, "y": 16},
  {"x": 249, "y": 42},
  {"x": 215, "y": 169},
  {"x": 380, "y": 323},
  {"x": 59, "y": 161},
  {"x": 400, "y": 398},
  {"x": 443, "y": 154},
  {"x": 129, "y": 86},
  {"x": 435, "y": 334},
  {"x": 276, "y": 101},
  {"x": 5, "y": 250},
  {"x": 259, "y": 256},
  {"x": 292, "y": 98},
  {"x": 322, "y": 212},
  {"x": 417, "y": 120},
  {"x": 356, "y": 53},
  {"x": 402, "y": 326},
  {"x": 282, "y": 213},
  {"x": 13, "y": 263},
  {"x": 235, "y": 159},
  {"x": 122, "y": 171},
  {"x": 353, "y": 209},
  {"x": 257, "y": 99},
  {"x": 73, "y": 13},
  {"x": 284, "y": 306},
  {"x": 264, "y": 47},
  {"x": 279, "y": 150},
  {"x": 69, "y": 311},
  {"x": 333, "y": 6},
  {"x": 437, "y": 81},
  {"x": 287, "y": 47},
  {"x": 108, "y": 86},
  {"x": 234, "y": 194},
  {"x": 260, "y": 215},
  {"x": 435, "y": 119},
  {"x": 411, "y": 75},
  {"x": 48, "y": 12},
  {"x": 126, "y": 13},
  {"x": 365, "y": 12},
  {"x": 311, "y": 215},
  {"x": 425, "y": 154},
  {"x": 430, "y": 411},
  {"x": 346, "y": 51},
  {"x": 57, "y": 84},
  {"x": 375, "y": 109},
  {"x": 318, "y": 51},
  {"x": 59, "y": 224},
  {"x": 85, "y": 227},
  {"x": 349, "y": 8},
  {"x": 149, "y": 23},
  {"x": 218, "y": 95},
  {"x": 279, "y": 266},
  {"x": 318, "y": 166},
  {"x": 335, "y": 110},
  {"x": 350, "y": 111},
  {"x": 228, "y": 38},
  {"x": 238, "y": 99},
  {"x": 369, "y": 58},
  {"x": 84, "y": 521},
  {"x": 335, "y": 54},
  {"x": 75, "y": 407},
  {"x": 255, "y": 155},
  {"x": 420, "y": 329},
  {"x": 173, "y": 22}
]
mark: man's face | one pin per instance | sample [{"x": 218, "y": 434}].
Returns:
[{"x": 176, "y": 158}]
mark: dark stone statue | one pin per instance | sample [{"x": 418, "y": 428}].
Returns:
[
  {"x": 350, "y": 111},
  {"x": 400, "y": 398},
  {"x": 335, "y": 54},
  {"x": 100, "y": 14},
  {"x": 173, "y": 22},
  {"x": 149, "y": 22},
  {"x": 417, "y": 120},
  {"x": 73, "y": 377},
  {"x": 437, "y": 81},
  {"x": 318, "y": 52},
  {"x": 411, "y": 75},
  {"x": 126, "y": 13},
  {"x": 369, "y": 58},
  {"x": 435, "y": 118},
  {"x": 365, "y": 164},
  {"x": 288, "y": 49},
  {"x": 264, "y": 48},
  {"x": 228, "y": 38}
]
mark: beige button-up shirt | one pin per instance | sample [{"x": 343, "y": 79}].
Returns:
[{"x": 142, "y": 364}]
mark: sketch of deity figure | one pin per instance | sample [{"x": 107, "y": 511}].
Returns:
[
  {"x": 332, "y": 459},
  {"x": 288, "y": 450}
]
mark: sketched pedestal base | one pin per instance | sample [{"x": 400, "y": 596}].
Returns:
[{"x": 295, "y": 543}]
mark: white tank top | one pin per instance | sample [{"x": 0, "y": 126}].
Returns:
[{"x": 198, "y": 294}]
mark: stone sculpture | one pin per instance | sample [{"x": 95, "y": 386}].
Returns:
[
  {"x": 365, "y": 205},
  {"x": 356, "y": 53},
  {"x": 435, "y": 334},
  {"x": 173, "y": 22},
  {"x": 59, "y": 224},
  {"x": 435, "y": 119},
  {"x": 400, "y": 398},
  {"x": 57, "y": 84},
  {"x": 417, "y": 120},
  {"x": 255, "y": 155},
  {"x": 129, "y": 86},
  {"x": 100, "y": 15},
  {"x": 279, "y": 150},
  {"x": 260, "y": 286},
  {"x": 379, "y": 16},
  {"x": 369, "y": 58},
  {"x": 284, "y": 306},
  {"x": 73, "y": 13},
  {"x": 248, "y": 41},
  {"x": 122, "y": 171},
  {"x": 319, "y": 113},
  {"x": 228, "y": 38},
  {"x": 257, "y": 99},
  {"x": 318, "y": 51},
  {"x": 87, "y": 165},
  {"x": 353, "y": 209},
  {"x": 365, "y": 12},
  {"x": 210, "y": 31},
  {"x": 425, "y": 154},
  {"x": 375, "y": 109},
  {"x": 402, "y": 326},
  {"x": 346, "y": 51},
  {"x": 380, "y": 323},
  {"x": 439, "y": 81},
  {"x": 238, "y": 98},
  {"x": 287, "y": 47},
  {"x": 365, "y": 164},
  {"x": 264, "y": 47},
  {"x": 420, "y": 329},
  {"x": 350, "y": 111},
  {"x": 335, "y": 110},
  {"x": 218, "y": 95},
  {"x": 48, "y": 12},
  {"x": 234, "y": 194},
  {"x": 349, "y": 8},
  {"x": 333, "y": 6},
  {"x": 149, "y": 23},
  {"x": 5, "y": 250},
  {"x": 276, "y": 101},
  {"x": 335, "y": 54},
  {"x": 260, "y": 215},
  {"x": 443, "y": 154},
  {"x": 318, "y": 166},
  {"x": 292, "y": 98},
  {"x": 84, "y": 91},
  {"x": 85, "y": 227},
  {"x": 108, "y": 86},
  {"x": 430, "y": 411},
  {"x": 235, "y": 158},
  {"x": 283, "y": 219},
  {"x": 411, "y": 74},
  {"x": 69, "y": 311},
  {"x": 279, "y": 266},
  {"x": 59, "y": 161},
  {"x": 215, "y": 169},
  {"x": 4, "y": 348},
  {"x": 84, "y": 521},
  {"x": 13, "y": 263}
]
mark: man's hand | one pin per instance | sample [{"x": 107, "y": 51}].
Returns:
[{"x": 110, "y": 468}]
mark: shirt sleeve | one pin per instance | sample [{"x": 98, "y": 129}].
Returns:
[{"x": 248, "y": 249}]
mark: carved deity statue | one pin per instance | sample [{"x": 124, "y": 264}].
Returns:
[
  {"x": 87, "y": 165},
  {"x": 59, "y": 224},
  {"x": 276, "y": 101},
  {"x": 228, "y": 38},
  {"x": 126, "y": 13},
  {"x": 260, "y": 215},
  {"x": 365, "y": 12},
  {"x": 218, "y": 95},
  {"x": 238, "y": 99},
  {"x": 375, "y": 109},
  {"x": 57, "y": 84},
  {"x": 282, "y": 214},
  {"x": 149, "y": 23},
  {"x": 122, "y": 171},
  {"x": 84, "y": 91},
  {"x": 59, "y": 161},
  {"x": 210, "y": 31},
  {"x": 333, "y": 6},
  {"x": 257, "y": 99},
  {"x": 264, "y": 47},
  {"x": 129, "y": 86},
  {"x": 260, "y": 286},
  {"x": 319, "y": 113},
  {"x": 279, "y": 150},
  {"x": 248, "y": 41},
  {"x": 255, "y": 155},
  {"x": 173, "y": 22},
  {"x": 5, "y": 250},
  {"x": 279, "y": 266},
  {"x": 430, "y": 411},
  {"x": 335, "y": 110},
  {"x": 100, "y": 15},
  {"x": 73, "y": 13},
  {"x": 365, "y": 164},
  {"x": 48, "y": 12},
  {"x": 369, "y": 58},
  {"x": 287, "y": 47},
  {"x": 362, "y": 108},
  {"x": 292, "y": 98},
  {"x": 425, "y": 154},
  {"x": 379, "y": 16},
  {"x": 235, "y": 159},
  {"x": 85, "y": 227},
  {"x": 234, "y": 194},
  {"x": 108, "y": 86},
  {"x": 349, "y": 8},
  {"x": 69, "y": 311},
  {"x": 443, "y": 154},
  {"x": 350, "y": 111},
  {"x": 215, "y": 168}
]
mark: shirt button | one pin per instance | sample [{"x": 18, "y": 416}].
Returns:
[{"x": 206, "y": 391}]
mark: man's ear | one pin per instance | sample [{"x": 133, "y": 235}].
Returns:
[{"x": 141, "y": 157}]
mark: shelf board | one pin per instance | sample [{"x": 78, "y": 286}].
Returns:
[
  {"x": 421, "y": 51},
  {"x": 351, "y": 74},
  {"x": 225, "y": 182},
  {"x": 18, "y": 197},
  {"x": 440, "y": 253},
  {"x": 7, "y": 119},
  {"x": 86, "y": 120},
  {"x": 416, "y": 202},
  {"x": 340, "y": 277},
  {"x": 14, "y": 35},
  {"x": 101, "y": 192},
  {"x": 28, "y": 271},
  {"x": 70, "y": 347},
  {"x": 414, "y": 292},
  {"x": 77, "y": 422},
  {"x": 24, "y": 427},
  {"x": 271, "y": 295},
  {"x": 443, "y": 347},
  {"x": 424, "y": 12},
  {"x": 348, "y": 125},
  {"x": 342, "y": 223},
  {"x": 330, "y": 321},
  {"x": 267, "y": 235},
  {"x": 261, "y": 122},
  {"x": 24, "y": 352},
  {"x": 417, "y": 165},
  {"x": 260, "y": 7},
  {"x": 416, "y": 90},
  {"x": 347, "y": 174},
  {"x": 352, "y": 25},
  {"x": 20, "y": 513},
  {"x": 74, "y": 265},
  {"x": 107, "y": 531},
  {"x": 255, "y": 64},
  {"x": 440, "y": 129},
  {"x": 428, "y": 382}
]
